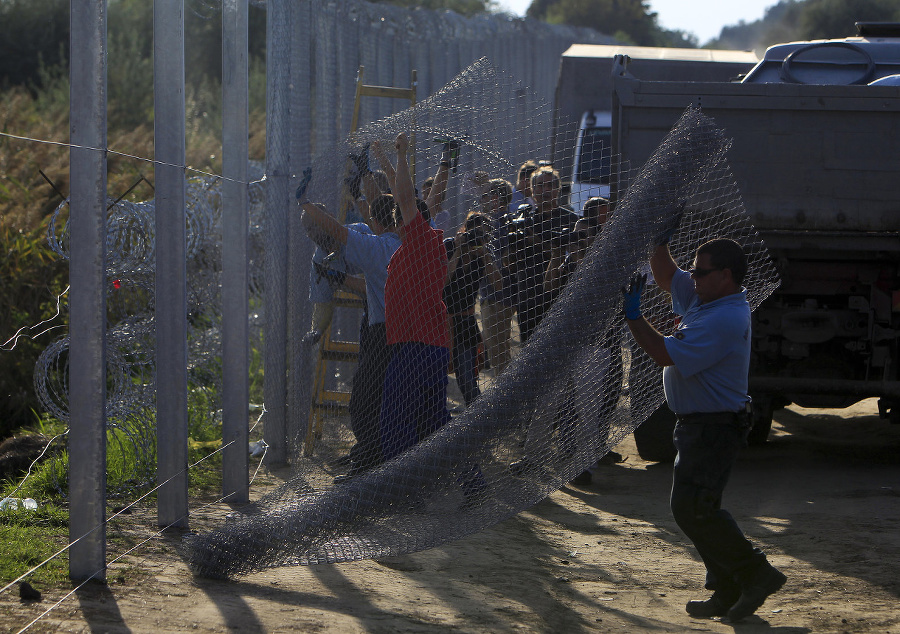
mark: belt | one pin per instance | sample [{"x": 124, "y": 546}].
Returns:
[{"x": 711, "y": 417}]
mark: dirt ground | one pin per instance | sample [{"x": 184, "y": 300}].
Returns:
[{"x": 822, "y": 499}]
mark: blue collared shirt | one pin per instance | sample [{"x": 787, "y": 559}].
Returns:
[
  {"x": 711, "y": 351},
  {"x": 372, "y": 254}
]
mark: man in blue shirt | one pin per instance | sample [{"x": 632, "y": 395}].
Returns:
[
  {"x": 706, "y": 364},
  {"x": 369, "y": 253}
]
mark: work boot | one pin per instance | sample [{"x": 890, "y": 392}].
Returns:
[
  {"x": 767, "y": 580},
  {"x": 716, "y": 605}
]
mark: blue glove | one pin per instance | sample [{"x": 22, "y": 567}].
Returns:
[
  {"x": 304, "y": 183},
  {"x": 632, "y": 296}
]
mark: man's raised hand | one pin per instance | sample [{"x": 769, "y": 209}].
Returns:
[
  {"x": 402, "y": 143},
  {"x": 632, "y": 296}
]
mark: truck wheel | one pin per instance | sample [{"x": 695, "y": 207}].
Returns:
[
  {"x": 654, "y": 436},
  {"x": 763, "y": 409}
]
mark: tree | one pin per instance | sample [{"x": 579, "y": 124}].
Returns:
[
  {"x": 829, "y": 19},
  {"x": 630, "y": 21},
  {"x": 33, "y": 33},
  {"x": 797, "y": 20},
  {"x": 463, "y": 7}
]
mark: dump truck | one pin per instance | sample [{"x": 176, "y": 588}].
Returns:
[
  {"x": 815, "y": 128},
  {"x": 582, "y": 125}
]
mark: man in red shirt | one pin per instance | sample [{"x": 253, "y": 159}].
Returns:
[{"x": 415, "y": 388}]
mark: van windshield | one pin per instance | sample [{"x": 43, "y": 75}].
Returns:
[{"x": 595, "y": 158}]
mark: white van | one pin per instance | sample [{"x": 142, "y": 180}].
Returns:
[{"x": 593, "y": 156}]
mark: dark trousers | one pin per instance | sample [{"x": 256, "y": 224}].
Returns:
[
  {"x": 366, "y": 395},
  {"x": 707, "y": 451},
  {"x": 466, "y": 338},
  {"x": 415, "y": 396}
]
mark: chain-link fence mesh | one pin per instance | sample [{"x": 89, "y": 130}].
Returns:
[{"x": 408, "y": 467}]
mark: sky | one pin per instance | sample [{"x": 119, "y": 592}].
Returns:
[{"x": 703, "y": 18}]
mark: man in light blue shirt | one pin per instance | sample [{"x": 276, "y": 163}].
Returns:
[
  {"x": 706, "y": 363},
  {"x": 369, "y": 253}
]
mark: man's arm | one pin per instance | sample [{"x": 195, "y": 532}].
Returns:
[
  {"x": 553, "y": 275},
  {"x": 663, "y": 267},
  {"x": 439, "y": 187},
  {"x": 402, "y": 185},
  {"x": 454, "y": 258},
  {"x": 650, "y": 340},
  {"x": 646, "y": 336},
  {"x": 316, "y": 220},
  {"x": 493, "y": 274},
  {"x": 386, "y": 166}
]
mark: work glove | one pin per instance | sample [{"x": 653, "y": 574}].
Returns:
[
  {"x": 334, "y": 278},
  {"x": 361, "y": 168},
  {"x": 632, "y": 303},
  {"x": 361, "y": 161},
  {"x": 304, "y": 183},
  {"x": 449, "y": 152},
  {"x": 671, "y": 226}
]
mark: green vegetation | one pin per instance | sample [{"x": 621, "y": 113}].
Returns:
[
  {"x": 629, "y": 21},
  {"x": 30, "y": 537},
  {"x": 798, "y": 20},
  {"x": 633, "y": 22}
]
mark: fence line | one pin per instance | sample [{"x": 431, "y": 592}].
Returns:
[{"x": 314, "y": 65}]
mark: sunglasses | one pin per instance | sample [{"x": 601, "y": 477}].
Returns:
[{"x": 702, "y": 272}]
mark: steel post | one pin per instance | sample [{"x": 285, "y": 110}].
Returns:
[
  {"x": 87, "y": 295},
  {"x": 171, "y": 273},
  {"x": 235, "y": 236}
]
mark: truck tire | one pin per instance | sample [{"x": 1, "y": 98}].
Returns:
[
  {"x": 763, "y": 409},
  {"x": 654, "y": 436}
]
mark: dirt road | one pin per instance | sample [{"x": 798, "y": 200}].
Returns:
[{"x": 822, "y": 499}]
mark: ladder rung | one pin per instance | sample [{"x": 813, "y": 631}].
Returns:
[
  {"x": 333, "y": 400},
  {"x": 387, "y": 91},
  {"x": 326, "y": 404},
  {"x": 340, "y": 350},
  {"x": 329, "y": 355},
  {"x": 346, "y": 297}
]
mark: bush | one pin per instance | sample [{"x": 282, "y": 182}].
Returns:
[{"x": 31, "y": 278}]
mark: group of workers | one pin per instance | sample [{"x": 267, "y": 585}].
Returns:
[{"x": 512, "y": 258}]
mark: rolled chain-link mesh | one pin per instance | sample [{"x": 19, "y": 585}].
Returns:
[{"x": 572, "y": 391}]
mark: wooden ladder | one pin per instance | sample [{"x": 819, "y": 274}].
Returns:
[{"x": 332, "y": 350}]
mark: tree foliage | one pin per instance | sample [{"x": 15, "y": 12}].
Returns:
[
  {"x": 32, "y": 33},
  {"x": 799, "y": 20},
  {"x": 463, "y": 7},
  {"x": 629, "y": 21}
]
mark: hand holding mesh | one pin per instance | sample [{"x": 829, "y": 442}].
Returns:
[
  {"x": 671, "y": 228},
  {"x": 304, "y": 183},
  {"x": 633, "y": 296}
]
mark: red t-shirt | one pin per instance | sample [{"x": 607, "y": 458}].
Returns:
[{"x": 414, "y": 292}]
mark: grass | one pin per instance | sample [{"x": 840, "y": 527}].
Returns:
[{"x": 30, "y": 537}]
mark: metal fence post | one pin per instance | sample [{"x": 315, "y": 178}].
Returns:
[
  {"x": 87, "y": 298},
  {"x": 171, "y": 268},
  {"x": 276, "y": 221},
  {"x": 235, "y": 234}
]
